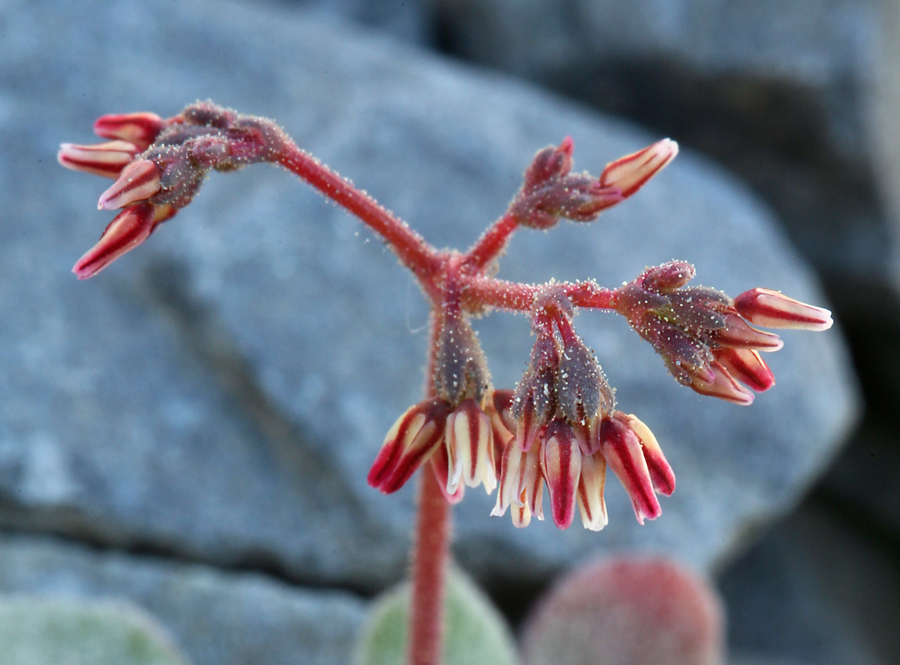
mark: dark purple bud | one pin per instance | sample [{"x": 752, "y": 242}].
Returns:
[{"x": 460, "y": 369}]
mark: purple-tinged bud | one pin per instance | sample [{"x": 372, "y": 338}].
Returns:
[
  {"x": 738, "y": 334},
  {"x": 141, "y": 129},
  {"x": 773, "y": 309},
  {"x": 661, "y": 473},
  {"x": 625, "y": 456},
  {"x": 535, "y": 397},
  {"x": 667, "y": 277},
  {"x": 722, "y": 385},
  {"x": 583, "y": 393},
  {"x": 470, "y": 448},
  {"x": 561, "y": 463},
  {"x": 411, "y": 440},
  {"x": 137, "y": 182},
  {"x": 686, "y": 356},
  {"x": 103, "y": 159},
  {"x": 700, "y": 310},
  {"x": 549, "y": 163},
  {"x": 591, "y": 504},
  {"x": 129, "y": 229},
  {"x": 746, "y": 366},
  {"x": 460, "y": 370},
  {"x": 631, "y": 172}
]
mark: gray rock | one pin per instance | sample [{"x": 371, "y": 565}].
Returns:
[
  {"x": 220, "y": 393},
  {"x": 815, "y": 593},
  {"x": 43, "y": 631},
  {"x": 407, "y": 20},
  {"x": 216, "y": 618},
  {"x": 800, "y": 99}
]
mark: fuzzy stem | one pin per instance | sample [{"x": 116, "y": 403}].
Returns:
[
  {"x": 414, "y": 252},
  {"x": 491, "y": 243},
  {"x": 430, "y": 558},
  {"x": 431, "y": 548},
  {"x": 480, "y": 292}
]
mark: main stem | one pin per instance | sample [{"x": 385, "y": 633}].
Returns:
[
  {"x": 431, "y": 547},
  {"x": 429, "y": 562}
]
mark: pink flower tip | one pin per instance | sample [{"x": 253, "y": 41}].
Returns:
[
  {"x": 129, "y": 229},
  {"x": 141, "y": 129},
  {"x": 722, "y": 385},
  {"x": 631, "y": 172},
  {"x": 103, "y": 159},
  {"x": 773, "y": 309},
  {"x": 137, "y": 182},
  {"x": 412, "y": 439}
]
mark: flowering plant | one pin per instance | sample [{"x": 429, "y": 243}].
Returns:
[{"x": 559, "y": 427}]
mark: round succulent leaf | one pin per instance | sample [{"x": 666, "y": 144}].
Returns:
[{"x": 474, "y": 631}]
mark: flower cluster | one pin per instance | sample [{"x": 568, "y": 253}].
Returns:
[
  {"x": 158, "y": 166},
  {"x": 558, "y": 428},
  {"x": 705, "y": 337}
]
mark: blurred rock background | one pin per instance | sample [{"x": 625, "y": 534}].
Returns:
[{"x": 189, "y": 432}]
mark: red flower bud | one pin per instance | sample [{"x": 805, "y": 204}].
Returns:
[
  {"x": 773, "y": 309},
  {"x": 103, "y": 159},
  {"x": 129, "y": 229},
  {"x": 141, "y": 129}
]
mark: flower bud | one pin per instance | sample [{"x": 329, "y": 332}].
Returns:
[
  {"x": 623, "y": 452},
  {"x": 137, "y": 182},
  {"x": 141, "y": 129},
  {"x": 773, "y": 309},
  {"x": 722, "y": 385},
  {"x": 667, "y": 277},
  {"x": 630, "y": 173},
  {"x": 411, "y": 440},
  {"x": 561, "y": 464},
  {"x": 746, "y": 366},
  {"x": 549, "y": 163},
  {"x": 103, "y": 159},
  {"x": 129, "y": 229}
]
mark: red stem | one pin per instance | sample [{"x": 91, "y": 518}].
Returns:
[
  {"x": 491, "y": 243},
  {"x": 430, "y": 557},
  {"x": 414, "y": 252},
  {"x": 431, "y": 547},
  {"x": 482, "y": 291}
]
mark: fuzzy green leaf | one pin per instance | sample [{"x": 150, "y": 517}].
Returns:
[{"x": 474, "y": 631}]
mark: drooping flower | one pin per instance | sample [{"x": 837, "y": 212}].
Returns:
[{"x": 462, "y": 422}]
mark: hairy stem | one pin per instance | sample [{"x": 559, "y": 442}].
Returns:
[
  {"x": 482, "y": 292},
  {"x": 416, "y": 254},
  {"x": 431, "y": 546},
  {"x": 430, "y": 558},
  {"x": 491, "y": 243}
]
